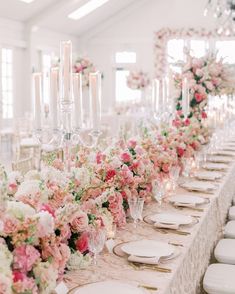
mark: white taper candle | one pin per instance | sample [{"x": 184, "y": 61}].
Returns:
[
  {"x": 95, "y": 99},
  {"x": 66, "y": 70},
  {"x": 78, "y": 105},
  {"x": 54, "y": 96}
]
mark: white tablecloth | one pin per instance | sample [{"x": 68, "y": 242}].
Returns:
[{"x": 189, "y": 267}]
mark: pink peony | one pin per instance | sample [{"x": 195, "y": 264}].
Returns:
[
  {"x": 82, "y": 243},
  {"x": 24, "y": 258},
  {"x": 48, "y": 208}
]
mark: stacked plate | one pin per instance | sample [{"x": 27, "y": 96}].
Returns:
[
  {"x": 214, "y": 166},
  {"x": 187, "y": 200},
  {"x": 148, "y": 251},
  {"x": 223, "y": 152},
  {"x": 208, "y": 175},
  {"x": 107, "y": 287},
  {"x": 171, "y": 220},
  {"x": 199, "y": 186},
  {"x": 219, "y": 159}
]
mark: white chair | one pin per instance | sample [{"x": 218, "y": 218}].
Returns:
[
  {"x": 229, "y": 230},
  {"x": 225, "y": 251},
  {"x": 219, "y": 279},
  {"x": 23, "y": 165},
  {"x": 231, "y": 213}
]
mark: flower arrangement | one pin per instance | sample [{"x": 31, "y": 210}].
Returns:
[
  {"x": 137, "y": 80},
  {"x": 205, "y": 76},
  {"x": 84, "y": 66}
]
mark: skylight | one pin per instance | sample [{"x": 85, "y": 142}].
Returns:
[
  {"x": 27, "y": 1},
  {"x": 86, "y": 9}
]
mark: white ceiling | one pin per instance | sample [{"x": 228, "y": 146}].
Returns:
[{"x": 52, "y": 14}]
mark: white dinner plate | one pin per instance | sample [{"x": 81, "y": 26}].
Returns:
[
  {"x": 107, "y": 287},
  {"x": 148, "y": 248},
  {"x": 214, "y": 166},
  {"x": 171, "y": 218},
  {"x": 187, "y": 199},
  {"x": 198, "y": 186},
  {"x": 223, "y": 152},
  {"x": 220, "y": 159},
  {"x": 208, "y": 175}
]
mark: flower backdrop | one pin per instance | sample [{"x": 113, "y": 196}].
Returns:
[
  {"x": 137, "y": 80},
  {"x": 205, "y": 76}
]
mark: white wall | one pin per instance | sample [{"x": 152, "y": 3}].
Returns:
[
  {"x": 134, "y": 29},
  {"x": 13, "y": 34}
]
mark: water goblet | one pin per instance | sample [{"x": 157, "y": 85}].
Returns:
[
  {"x": 136, "y": 206},
  {"x": 96, "y": 241},
  {"x": 174, "y": 176},
  {"x": 159, "y": 190}
]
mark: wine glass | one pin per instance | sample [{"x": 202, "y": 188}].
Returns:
[
  {"x": 159, "y": 190},
  {"x": 187, "y": 163},
  {"x": 198, "y": 157},
  {"x": 174, "y": 176},
  {"x": 96, "y": 241},
  {"x": 136, "y": 206}
]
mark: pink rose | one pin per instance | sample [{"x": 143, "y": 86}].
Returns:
[
  {"x": 80, "y": 222},
  {"x": 125, "y": 157},
  {"x": 82, "y": 243},
  {"x": 110, "y": 174},
  {"x": 180, "y": 151},
  {"x": 132, "y": 143},
  {"x": 187, "y": 122},
  {"x": 24, "y": 258}
]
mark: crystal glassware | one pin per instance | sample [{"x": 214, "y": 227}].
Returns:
[
  {"x": 174, "y": 176},
  {"x": 136, "y": 206},
  {"x": 96, "y": 241},
  {"x": 159, "y": 190}
]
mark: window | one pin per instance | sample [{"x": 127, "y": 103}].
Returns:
[
  {"x": 125, "y": 57},
  {"x": 175, "y": 50},
  {"x": 46, "y": 65},
  {"x": 198, "y": 48},
  {"x": 226, "y": 50},
  {"x": 7, "y": 89},
  {"x": 123, "y": 93}
]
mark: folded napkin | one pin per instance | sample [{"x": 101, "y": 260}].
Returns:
[
  {"x": 166, "y": 226},
  {"x": 185, "y": 204},
  {"x": 146, "y": 260}
]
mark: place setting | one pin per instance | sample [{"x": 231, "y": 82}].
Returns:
[
  {"x": 171, "y": 222},
  {"x": 206, "y": 175},
  {"x": 214, "y": 166},
  {"x": 114, "y": 287},
  {"x": 188, "y": 201},
  {"x": 199, "y": 186},
  {"x": 147, "y": 254}
]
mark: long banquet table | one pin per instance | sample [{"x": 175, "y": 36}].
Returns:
[{"x": 195, "y": 253}]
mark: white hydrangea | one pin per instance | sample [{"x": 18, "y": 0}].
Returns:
[
  {"x": 83, "y": 175},
  {"x": 78, "y": 261},
  {"x": 6, "y": 259},
  {"x": 52, "y": 174},
  {"x": 31, "y": 189},
  {"x": 46, "y": 223},
  {"x": 6, "y": 283},
  {"x": 47, "y": 275},
  {"x": 19, "y": 210},
  {"x": 15, "y": 176}
]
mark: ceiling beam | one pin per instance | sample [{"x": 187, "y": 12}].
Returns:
[
  {"x": 113, "y": 19},
  {"x": 48, "y": 11}
]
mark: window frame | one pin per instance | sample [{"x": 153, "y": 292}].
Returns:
[{"x": 12, "y": 91}]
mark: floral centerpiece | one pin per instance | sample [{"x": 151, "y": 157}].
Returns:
[
  {"x": 137, "y": 80},
  {"x": 205, "y": 76},
  {"x": 84, "y": 66}
]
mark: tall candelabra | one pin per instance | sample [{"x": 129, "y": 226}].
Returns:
[{"x": 66, "y": 107}]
